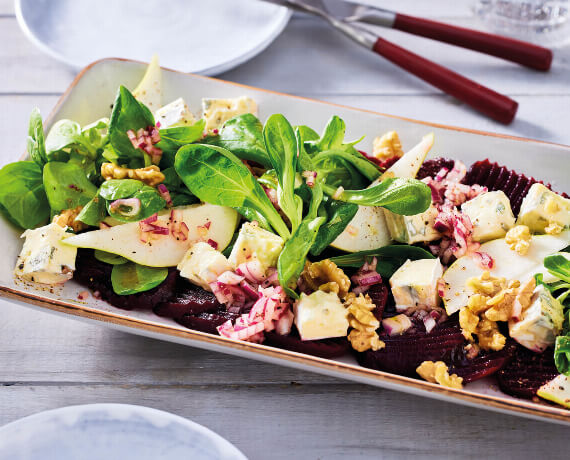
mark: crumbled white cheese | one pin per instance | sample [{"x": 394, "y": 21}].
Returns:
[
  {"x": 414, "y": 284},
  {"x": 491, "y": 215},
  {"x": 202, "y": 264},
  {"x": 218, "y": 111},
  {"x": 253, "y": 242},
  {"x": 320, "y": 315},
  {"x": 44, "y": 259}
]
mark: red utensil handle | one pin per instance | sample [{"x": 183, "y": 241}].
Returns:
[
  {"x": 481, "y": 98},
  {"x": 527, "y": 54}
]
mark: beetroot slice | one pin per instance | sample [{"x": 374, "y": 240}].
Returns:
[
  {"x": 431, "y": 167},
  {"x": 403, "y": 354},
  {"x": 484, "y": 365},
  {"x": 207, "y": 322},
  {"x": 497, "y": 177},
  {"x": 327, "y": 348},
  {"x": 96, "y": 275},
  {"x": 527, "y": 372},
  {"x": 379, "y": 294},
  {"x": 188, "y": 299}
]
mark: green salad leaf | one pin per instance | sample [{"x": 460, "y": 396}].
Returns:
[
  {"x": 339, "y": 215},
  {"x": 22, "y": 195},
  {"x": 171, "y": 139},
  {"x": 109, "y": 258},
  {"x": 66, "y": 137},
  {"x": 66, "y": 186},
  {"x": 406, "y": 197},
  {"x": 36, "y": 142},
  {"x": 292, "y": 258},
  {"x": 130, "y": 278},
  {"x": 243, "y": 136},
  {"x": 116, "y": 189},
  {"x": 128, "y": 114},
  {"x": 390, "y": 258},
  {"x": 217, "y": 176},
  {"x": 281, "y": 146},
  {"x": 179, "y": 193},
  {"x": 361, "y": 164},
  {"x": 93, "y": 212}
]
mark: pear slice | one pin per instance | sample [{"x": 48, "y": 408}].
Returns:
[
  {"x": 149, "y": 89},
  {"x": 163, "y": 250},
  {"x": 368, "y": 229},
  {"x": 411, "y": 162},
  {"x": 557, "y": 390},
  {"x": 507, "y": 264}
]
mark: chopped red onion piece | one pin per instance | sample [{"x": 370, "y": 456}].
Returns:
[
  {"x": 127, "y": 207},
  {"x": 213, "y": 243},
  {"x": 164, "y": 193}
]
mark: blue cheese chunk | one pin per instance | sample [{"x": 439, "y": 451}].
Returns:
[
  {"x": 202, "y": 265},
  {"x": 413, "y": 229},
  {"x": 491, "y": 215},
  {"x": 253, "y": 242},
  {"x": 414, "y": 284},
  {"x": 174, "y": 115},
  {"x": 44, "y": 259},
  {"x": 541, "y": 208},
  {"x": 540, "y": 323},
  {"x": 217, "y": 111},
  {"x": 320, "y": 315}
]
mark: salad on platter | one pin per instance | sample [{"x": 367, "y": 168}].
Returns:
[{"x": 277, "y": 234}]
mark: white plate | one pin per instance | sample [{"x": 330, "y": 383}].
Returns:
[
  {"x": 206, "y": 37},
  {"x": 90, "y": 97},
  {"x": 111, "y": 431}
]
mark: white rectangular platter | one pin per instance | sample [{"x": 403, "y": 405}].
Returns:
[{"x": 90, "y": 97}]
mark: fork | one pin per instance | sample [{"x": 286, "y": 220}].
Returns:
[{"x": 485, "y": 100}]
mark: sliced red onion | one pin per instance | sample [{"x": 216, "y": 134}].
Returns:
[
  {"x": 284, "y": 324},
  {"x": 159, "y": 230},
  {"x": 164, "y": 193},
  {"x": 396, "y": 325},
  {"x": 127, "y": 207},
  {"x": 429, "y": 323},
  {"x": 213, "y": 243},
  {"x": 151, "y": 219},
  {"x": 252, "y": 270},
  {"x": 249, "y": 290},
  {"x": 229, "y": 277},
  {"x": 208, "y": 224},
  {"x": 484, "y": 260}
]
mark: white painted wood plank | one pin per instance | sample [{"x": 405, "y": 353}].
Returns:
[
  {"x": 37, "y": 346},
  {"x": 318, "y": 422},
  {"x": 6, "y": 7},
  {"x": 328, "y": 64}
]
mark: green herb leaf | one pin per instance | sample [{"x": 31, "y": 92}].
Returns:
[
  {"x": 115, "y": 189},
  {"x": 406, "y": 197},
  {"x": 22, "y": 195},
  {"x": 281, "y": 146},
  {"x": 36, "y": 143},
  {"x": 362, "y": 165},
  {"x": 558, "y": 266},
  {"x": 243, "y": 136},
  {"x": 66, "y": 186},
  {"x": 109, "y": 258},
  {"x": 171, "y": 139},
  {"x": 128, "y": 113},
  {"x": 217, "y": 176},
  {"x": 390, "y": 258},
  {"x": 131, "y": 278},
  {"x": 339, "y": 215},
  {"x": 179, "y": 193},
  {"x": 292, "y": 259},
  {"x": 93, "y": 212}
]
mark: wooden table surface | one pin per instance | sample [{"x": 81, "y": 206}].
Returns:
[{"x": 272, "y": 412}]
